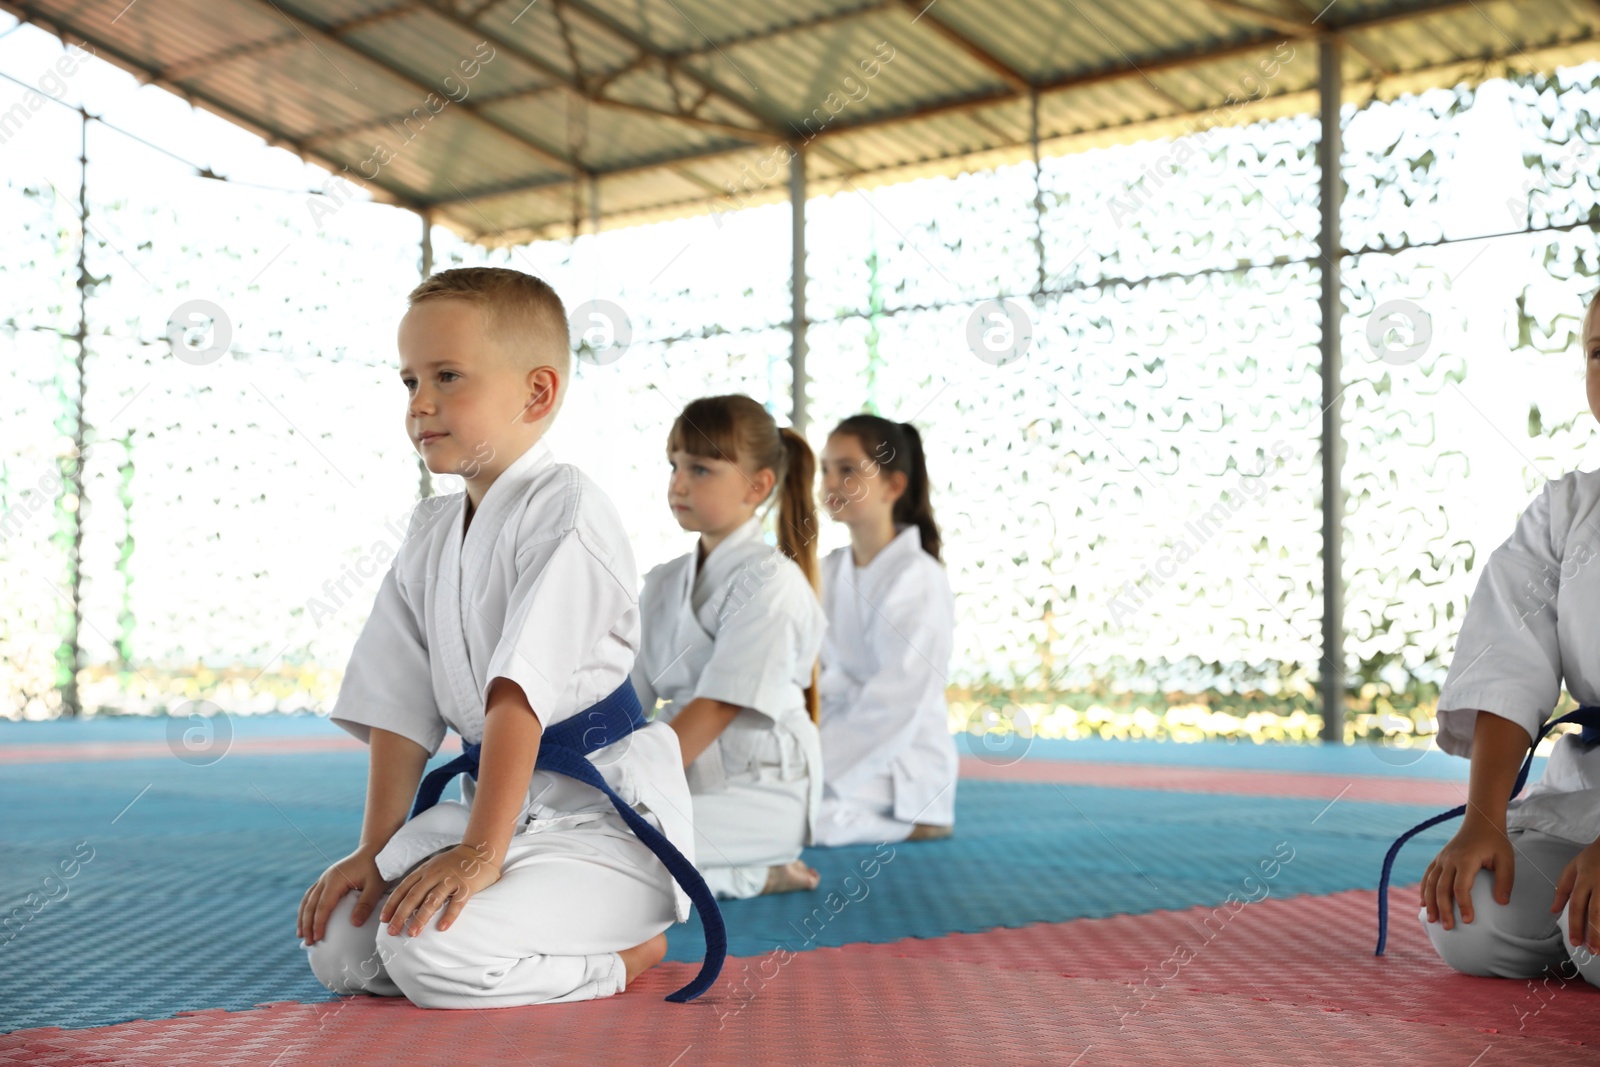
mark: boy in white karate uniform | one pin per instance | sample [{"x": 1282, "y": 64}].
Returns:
[
  {"x": 891, "y": 762},
  {"x": 731, "y": 633},
  {"x": 508, "y": 615},
  {"x": 1534, "y": 621}
]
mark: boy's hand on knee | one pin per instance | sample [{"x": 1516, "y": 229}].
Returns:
[
  {"x": 1580, "y": 884},
  {"x": 357, "y": 871},
  {"x": 1478, "y": 845},
  {"x": 448, "y": 879}
]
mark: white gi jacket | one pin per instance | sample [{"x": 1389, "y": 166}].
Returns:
[
  {"x": 746, "y": 630},
  {"x": 891, "y": 629},
  {"x": 540, "y": 591},
  {"x": 1534, "y": 621}
]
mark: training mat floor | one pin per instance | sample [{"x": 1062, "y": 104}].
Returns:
[{"x": 1047, "y": 929}]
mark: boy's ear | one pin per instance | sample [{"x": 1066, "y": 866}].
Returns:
[{"x": 544, "y": 387}]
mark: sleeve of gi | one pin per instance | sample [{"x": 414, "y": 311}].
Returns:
[
  {"x": 912, "y": 634},
  {"x": 1508, "y": 658},
  {"x": 388, "y": 682},
  {"x": 763, "y": 634}
]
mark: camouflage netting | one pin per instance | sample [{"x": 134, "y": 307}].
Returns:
[{"x": 1130, "y": 508}]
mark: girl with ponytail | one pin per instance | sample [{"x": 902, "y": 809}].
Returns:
[
  {"x": 890, "y": 760},
  {"x": 731, "y": 633}
]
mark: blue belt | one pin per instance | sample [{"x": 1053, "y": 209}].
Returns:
[
  {"x": 1587, "y": 717},
  {"x": 565, "y": 749}
]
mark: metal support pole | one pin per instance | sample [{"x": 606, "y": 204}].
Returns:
[
  {"x": 427, "y": 242},
  {"x": 425, "y": 476},
  {"x": 1038, "y": 190},
  {"x": 69, "y": 654},
  {"x": 797, "y": 286},
  {"x": 1332, "y": 189}
]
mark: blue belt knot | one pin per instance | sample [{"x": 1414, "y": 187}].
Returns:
[{"x": 564, "y": 749}]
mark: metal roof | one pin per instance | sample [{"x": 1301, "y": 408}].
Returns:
[{"x": 510, "y": 120}]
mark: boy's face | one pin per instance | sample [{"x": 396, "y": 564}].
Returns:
[
  {"x": 854, "y": 487},
  {"x": 713, "y": 495},
  {"x": 472, "y": 409},
  {"x": 1591, "y": 358}
]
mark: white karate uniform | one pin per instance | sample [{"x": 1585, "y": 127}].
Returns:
[
  {"x": 1533, "y": 622},
  {"x": 891, "y": 762},
  {"x": 540, "y": 591},
  {"x": 743, "y": 629}
]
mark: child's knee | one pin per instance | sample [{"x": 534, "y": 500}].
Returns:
[
  {"x": 344, "y": 960},
  {"x": 1587, "y": 963},
  {"x": 1487, "y": 946}
]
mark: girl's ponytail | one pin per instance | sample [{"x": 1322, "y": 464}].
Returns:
[
  {"x": 914, "y": 506},
  {"x": 797, "y": 526}
]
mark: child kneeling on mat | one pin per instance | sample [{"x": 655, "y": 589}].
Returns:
[
  {"x": 1534, "y": 622},
  {"x": 509, "y": 615}
]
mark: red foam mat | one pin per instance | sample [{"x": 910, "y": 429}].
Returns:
[{"x": 1277, "y": 982}]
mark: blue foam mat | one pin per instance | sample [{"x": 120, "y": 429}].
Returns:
[
  {"x": 1364, "y": 758},
  {"x": 189, "y": 900}
]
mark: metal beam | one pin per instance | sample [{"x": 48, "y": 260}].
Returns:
[
  {"x": 274, "y": 137},
  {"x": 189, "y": 67},
  {"x": 1294, "y": 27},
  {"x": 575, "y": 82},
  {"x": 810, "y": 22},
  {"x": 797, "y": 289},
  {"x": 991, "y": 62},
  {"x": 622, "y": 31},
  {"x": 379, "y": 60},
  {"x": 1329, "y": 152}
]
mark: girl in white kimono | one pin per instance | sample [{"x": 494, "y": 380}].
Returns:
[
  {"x": 1526, "y": 876},
  {"x": 730, "y": 639},
  {"x": 891, "y": 762}
]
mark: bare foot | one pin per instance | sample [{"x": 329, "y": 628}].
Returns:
[
  {"x": 640, "y": 958},
  {"x": 928, "y": 832},
  {"x": 788, "y": 877}
]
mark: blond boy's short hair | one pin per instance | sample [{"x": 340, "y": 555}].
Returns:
[{"x": 521, "y": 313}]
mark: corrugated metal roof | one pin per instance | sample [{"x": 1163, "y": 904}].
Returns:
[{"x": 505, "y": 118}]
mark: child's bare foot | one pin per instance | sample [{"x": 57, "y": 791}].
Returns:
[
  {"x": 640, "y": 958},
  {"x": 928, "y": 832},
  {"x": 788, "y": 877}
]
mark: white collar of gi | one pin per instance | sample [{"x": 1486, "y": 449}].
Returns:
[
  {"x": 748, "y": 530},
  {"x": 508, "y": 486},
  {"x": 907, "y": 539}
]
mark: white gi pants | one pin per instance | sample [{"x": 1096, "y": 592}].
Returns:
[
  {"x": 568, "y": 900},
  {"x": 1520, "y": 939},
  {"x": 746, "y": 828},
  {"x": 864, "y": 817}
]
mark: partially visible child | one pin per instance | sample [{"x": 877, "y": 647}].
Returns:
[
  {"x": 1533, "y": 623},
  {"x": 731, "y": 632},
  {"x": 509, "y": 616},
  {"x": 891, "y": 762}
]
